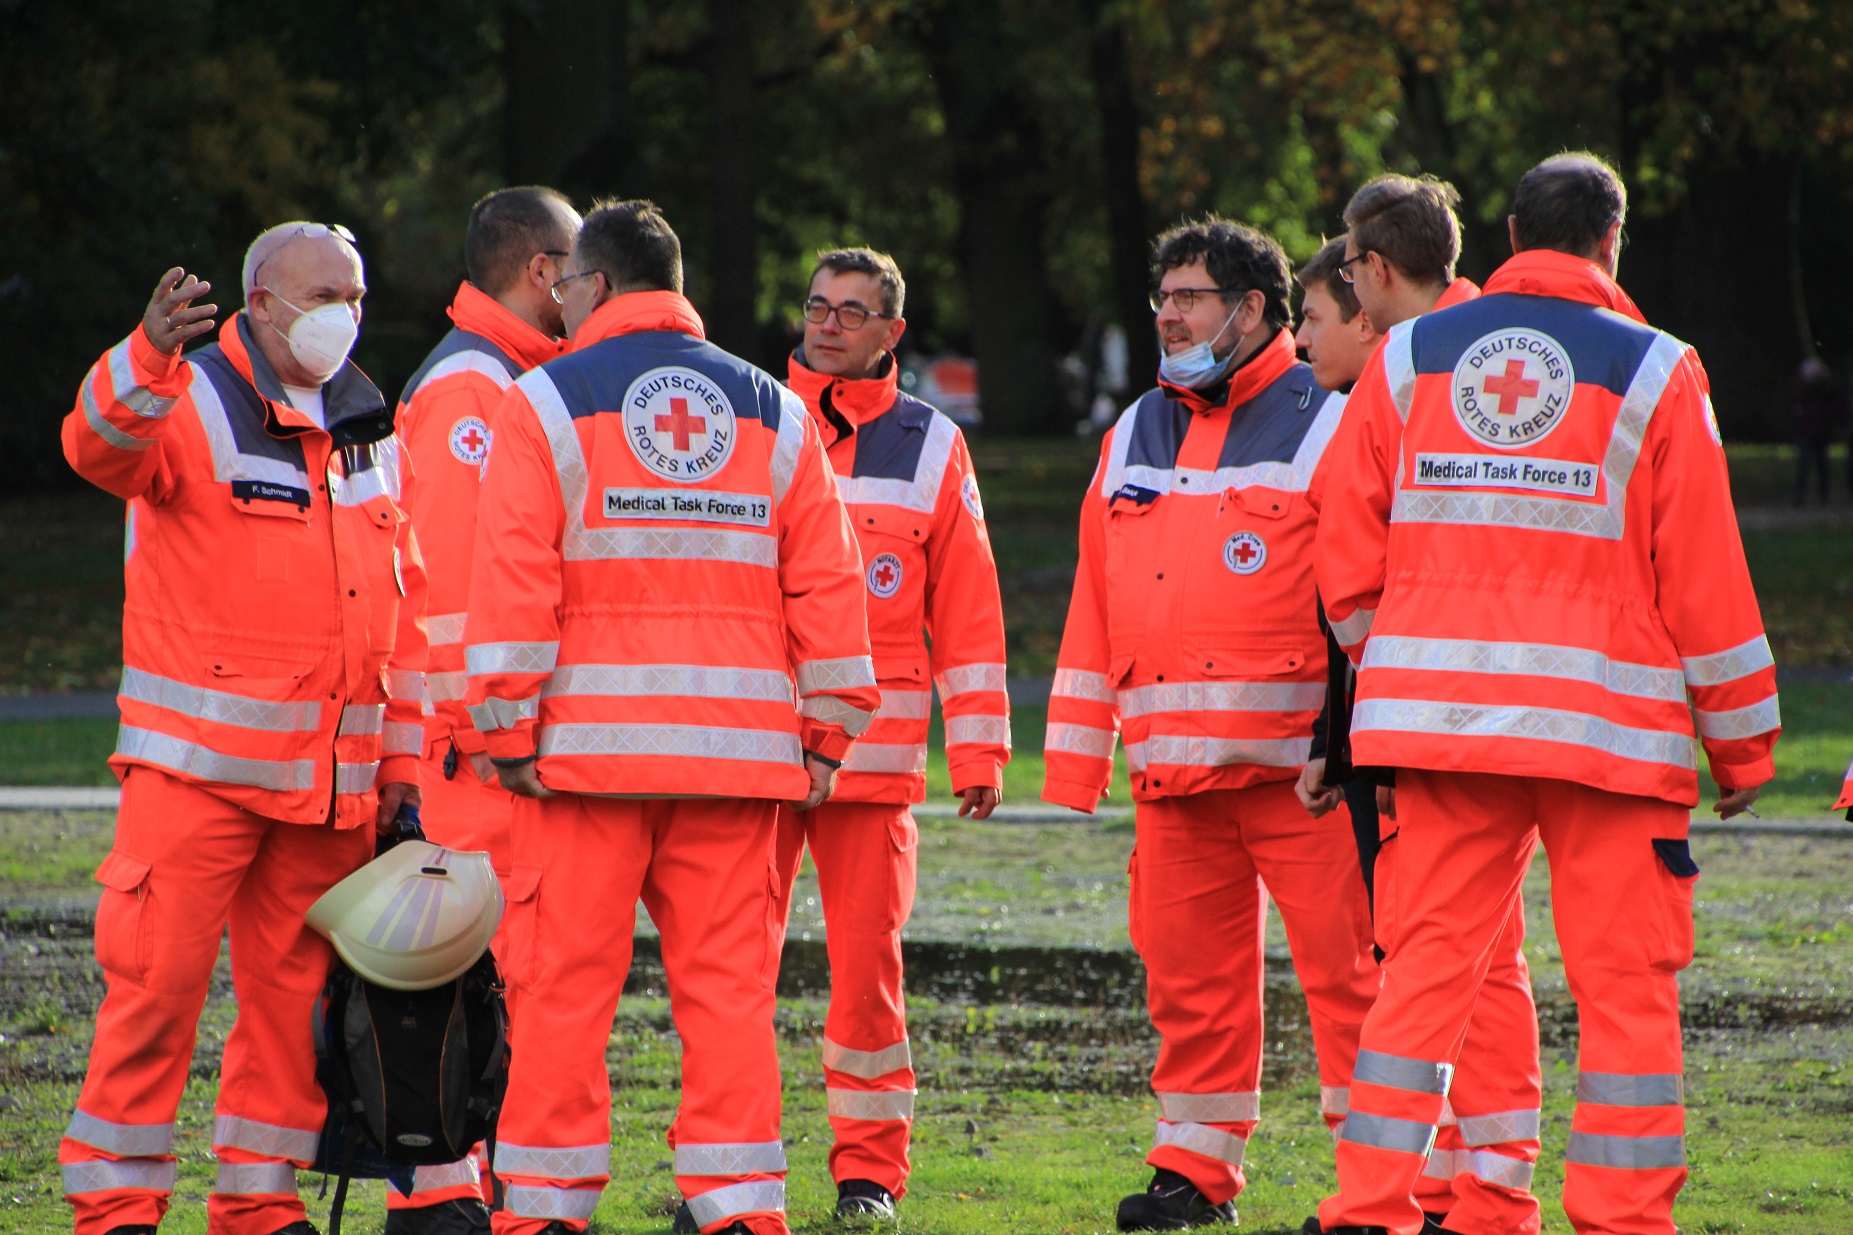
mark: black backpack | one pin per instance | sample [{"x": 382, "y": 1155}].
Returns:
[{"x": 413, "y": 1078}]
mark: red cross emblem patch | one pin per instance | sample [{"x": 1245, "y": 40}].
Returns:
[
  {"x": 1512, "y": 387},
  {"x": 469, "y": 440},
  {"x": 884, "y": 575},
  {"x": 679, "y": 423},
  {"x": 1244, "y": 553}
]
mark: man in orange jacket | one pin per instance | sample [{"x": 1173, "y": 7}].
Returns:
[
  {"x": 273, "y": 656},
  {"x": 1403, "y": 242},
  {"x": 665, "y": 640},
  {"x": 505, "y": 321},
  {"x": 906, "y": 475},
  {"x": 1534, "y": 561},
  {"x": 1193, "y": 626}
]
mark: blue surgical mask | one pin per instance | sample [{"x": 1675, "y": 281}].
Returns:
[{"x": 1196, "y": 367}]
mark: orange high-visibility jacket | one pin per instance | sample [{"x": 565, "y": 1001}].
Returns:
[
  {"x": 273, "y": 638},
  {"x": 905, "y": 472},
  {"x": 1845, "y": 801},
  {"x": 444, "y": 422},
  {"x": 1193, "y": 626},
  {"x": 1532, "y": 554},
  {"x": 666, "y": 598}
]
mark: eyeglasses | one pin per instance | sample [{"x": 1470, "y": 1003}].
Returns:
[
  {"x": 553, "y": 288},
  {"x": 1183, "y": 297},
  {"x": 850, "y": 315},
  {"x": 309, "y": 231},
  {"x": 1344, "y": 267}
]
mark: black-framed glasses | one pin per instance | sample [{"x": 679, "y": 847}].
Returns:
[
  {"x": 1344, "y": 268},
  {"x": 850, "y": 315},
  {"x": 1185, "y": 298},
  {"x": 553, "y": 288}
]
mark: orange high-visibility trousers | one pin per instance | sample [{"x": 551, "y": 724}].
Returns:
[
  {"x": 866, "y": 854},
  {"x": 704, "y": 869},
  {"x": 1202, "y": 869},
  {"x": 185, "y": 864},
  {"x": 1621, "y": 898}
]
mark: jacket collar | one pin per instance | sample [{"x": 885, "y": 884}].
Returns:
[
  {"x": 635, "y": 313},
  {"x": 1458, "y": 292},
  {"x": 1547, "y": 272},
  {"x": 855, "y": 401},
  {"x": 1250, "y": 378},
  {"x": 353, "y": 407},
  {"x": 480, "y": 313}
]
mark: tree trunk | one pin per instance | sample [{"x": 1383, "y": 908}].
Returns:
[{"x": 1128, "y": 228}]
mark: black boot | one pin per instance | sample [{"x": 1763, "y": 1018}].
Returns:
[
  {"x": 862, "y": 1200},
  {"x": 302, "y": 1226},
  {"x": 1312, "y": 1227},
  {"x": 685, "y": 1223},
  {"x": 139, "y": 1228},
  {"x": 469, "y": 1217},
  {"x": 1171, "y": 1203}
]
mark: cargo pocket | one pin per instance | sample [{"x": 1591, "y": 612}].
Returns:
[
  {"x": 121, "y": 936},
  {"x": 517, "y": 958},
  {"x": 904, "y": 841},
  {"x": 1676, "y": 874}
]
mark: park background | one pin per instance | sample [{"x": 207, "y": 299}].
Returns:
[{"x": 1016, "y": 156}]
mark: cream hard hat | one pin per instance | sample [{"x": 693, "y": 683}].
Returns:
[{"x": 415, "y": 917}]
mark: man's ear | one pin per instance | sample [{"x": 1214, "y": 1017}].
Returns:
[
  {"x": 537, "y": 272},
  {"x": 1512, "y": 231},
  {"x": 1361, "y": 323},
  {"x": 896, "y": 329}
]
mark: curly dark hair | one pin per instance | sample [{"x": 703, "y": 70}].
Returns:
[{"x": 1239, "y": 259}]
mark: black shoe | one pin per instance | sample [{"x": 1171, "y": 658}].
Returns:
[
  {"x": 861, "y": 1200},
  {"x": 302, "y": 1226},
  {"x": 1312, "y": 1227},
  {"x": 1171, "y": 1203},
  {"x": 1435, "y": 1224},
  {"x": 445, "y": 1218},
  {"x": 139, "y": 1229},
  {"x": 685, "y": 1223}
]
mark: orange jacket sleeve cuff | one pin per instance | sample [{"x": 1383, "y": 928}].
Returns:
[
  {"x": 976, "y": 774},
  {"x": 468, "y": 741},
  {"x": 398, "y": 770},
  {"x": 1070, "y": 793},
  {"x": 517, "y": 743},
  {"x": 827, "y": 740},
  {"x": 1734, "y": 776},
  {"x": 163, "y": 370}
]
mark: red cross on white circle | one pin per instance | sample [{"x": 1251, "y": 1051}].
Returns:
[
  {"x": 1511, "y": 387},
  {"x": 679, "y": 424}
]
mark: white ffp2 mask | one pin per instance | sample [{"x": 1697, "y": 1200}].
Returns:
[{"x": 321, "y": 338}]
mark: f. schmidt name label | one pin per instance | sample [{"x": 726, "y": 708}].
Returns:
[
  {"x": 1480, "y": 471},
  {"x": 691, "y": 504}
]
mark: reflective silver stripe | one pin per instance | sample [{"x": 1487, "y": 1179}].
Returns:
[
  {"x": 93, "y": 416},
  {"x": 462, "y": 1173},
  {"x": 137, "y": 1173},
  {"x": 271, "y": 1140},
  {"x": 758, "y": 1196},
  {"x": 880, "y": 757},
  {"x": 1399, "y": 367},
  {"x": 220, "y": 707},
  {"x": 361, "y": 719},
  {"x": 1497, "y": 1169},
  {"x": 744, "y": 1158},
  {"x": 1730, "y": 664},
  {"x": 128, "y": 391},
  {"x": 1410, "y": 1136},
  {"x": 1604, "y": 520},
  {"x": 128, "y": 1140},
  {"x": 1352, "y": 631},
  {"x": 794, "y": 422},
  {"x": 1221, "y": 697},
  {"x": 228, "y": 462},
  {"x": 486, "y": 658},
  {"x": 861, "y": 1104},
  {"x": 967, "y": 679},
  {"x": 356, "y": 777},
  {"x": 1628, "y": 1153},
  {"x": 1211, "y": 1108},
  {"x": 442, "y": 628},
  {"x": 1334, "y": 1099},
  {"x": 1112, "y": 470},
  {"x": 255, "y": 1179},
  {"x": 868, "y": 1065},
  {"x": 381, "y": 479},
  {"x": 1546, "y": 660},
  {"x": 1499, "y": 1127},
  {"x": 1595, "y": 733},
  {"x": 195, "y": 760},
  {"x": 405, "y": 684},
  {"x": 1294, "y": 476},
  {"x": 829, "y": 710},
  {"x": 991, "y": 729},
  {"x": 446, "y": 687},
  {"x": 1202, "y": 1139},
  {"x": 539, "y": 1162},
  {"x": 906, "y": 705},
  {"x": 492, "y": 714},
  {"x": 1447, "y": 1119},
  {"x": 698, "y": 681},
  {"x": 675, "y": 545},
  {"x": 1317, "y": 438},
  {"x": 1626, "y": 1089},
  {"x": 1201, "y": 752},
  {"x": 1401, "y": 1072},
  {"x": 1443, "y": 1163},
  {"x": 1083, "y": 684},
  {"x": 402, "y": 738},
  {"x": 1739, "y": 722},
  {"x": 471, "y": 361},
  {"x": 844, "y": 674},
  {"x": 578, "y": 1204},
  {"x": 921, "y": 491},
  {"x": 1080, "y": 740},
  {"x": 688, "y": 741}
]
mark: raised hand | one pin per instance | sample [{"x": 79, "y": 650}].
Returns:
[{"x": 171, "y": 317}]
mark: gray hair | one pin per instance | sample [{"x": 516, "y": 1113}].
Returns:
[{"x": 271, "y": 242}]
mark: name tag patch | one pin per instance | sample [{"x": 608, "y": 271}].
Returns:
[
  {"x": 265, "y": 491},
  {"x": 1480, "y": 471},
  {"x": 697, "y": 505}
]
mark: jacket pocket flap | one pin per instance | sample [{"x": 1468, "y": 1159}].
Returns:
[
  {"x": 1241, "y": 662},
  {"x": 123, "y": 872},
  {"x": 1264, "y": 503},
  {"x": 523, "y": 883},
  {"x": 891, "y": 521}
]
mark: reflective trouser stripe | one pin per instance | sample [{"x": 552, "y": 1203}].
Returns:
[
  {"x": 1636, "y": 1153},
  {"x": 1499, "y": 1127},
  {"x": 1202, "y": 1139},
  {"x": 524, "y": 1201},
  {"x": 867, "y": 1065},
  {"x": 1212, "y": 1108},
  {"x": 139, "y": 1173},
  {"x": 129, "y": 1140},
  {"x": 1400, "y": 1072},
  {"x": 271, "y": 1140},
  {"x": 759, "y": 1196},
  {"x": 462, "y": 1173},
  {"x": 1334, "y": 1099},
  {"x": 862, "y": 1104},
  {"x": 192, "y": 759},
  {"x": 743, "y": 1158},
  {"x": 1626, "y": 1089},
  {"x": 570, "y": 1162},
  {"x": 875, "y": 757},
  {"x": 1409, "y": 1136},
  {"x": 256, "y": 1179},
  {"x": 1482, "y": 1164}
]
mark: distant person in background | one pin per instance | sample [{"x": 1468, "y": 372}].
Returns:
[{"x": 1818, "y": 410}]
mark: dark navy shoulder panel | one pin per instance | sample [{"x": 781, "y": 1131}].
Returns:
[
  {"x": 1270, "y": 427},
  {"x": 459, "y": 341},
  {"x": 244, "y": 409},
  {"x": 594, "y": 380},
  {"x": 888, "y": 447},
  {"x": 1605, "y": 348},
  {"x": 1157, "y": 430}
]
